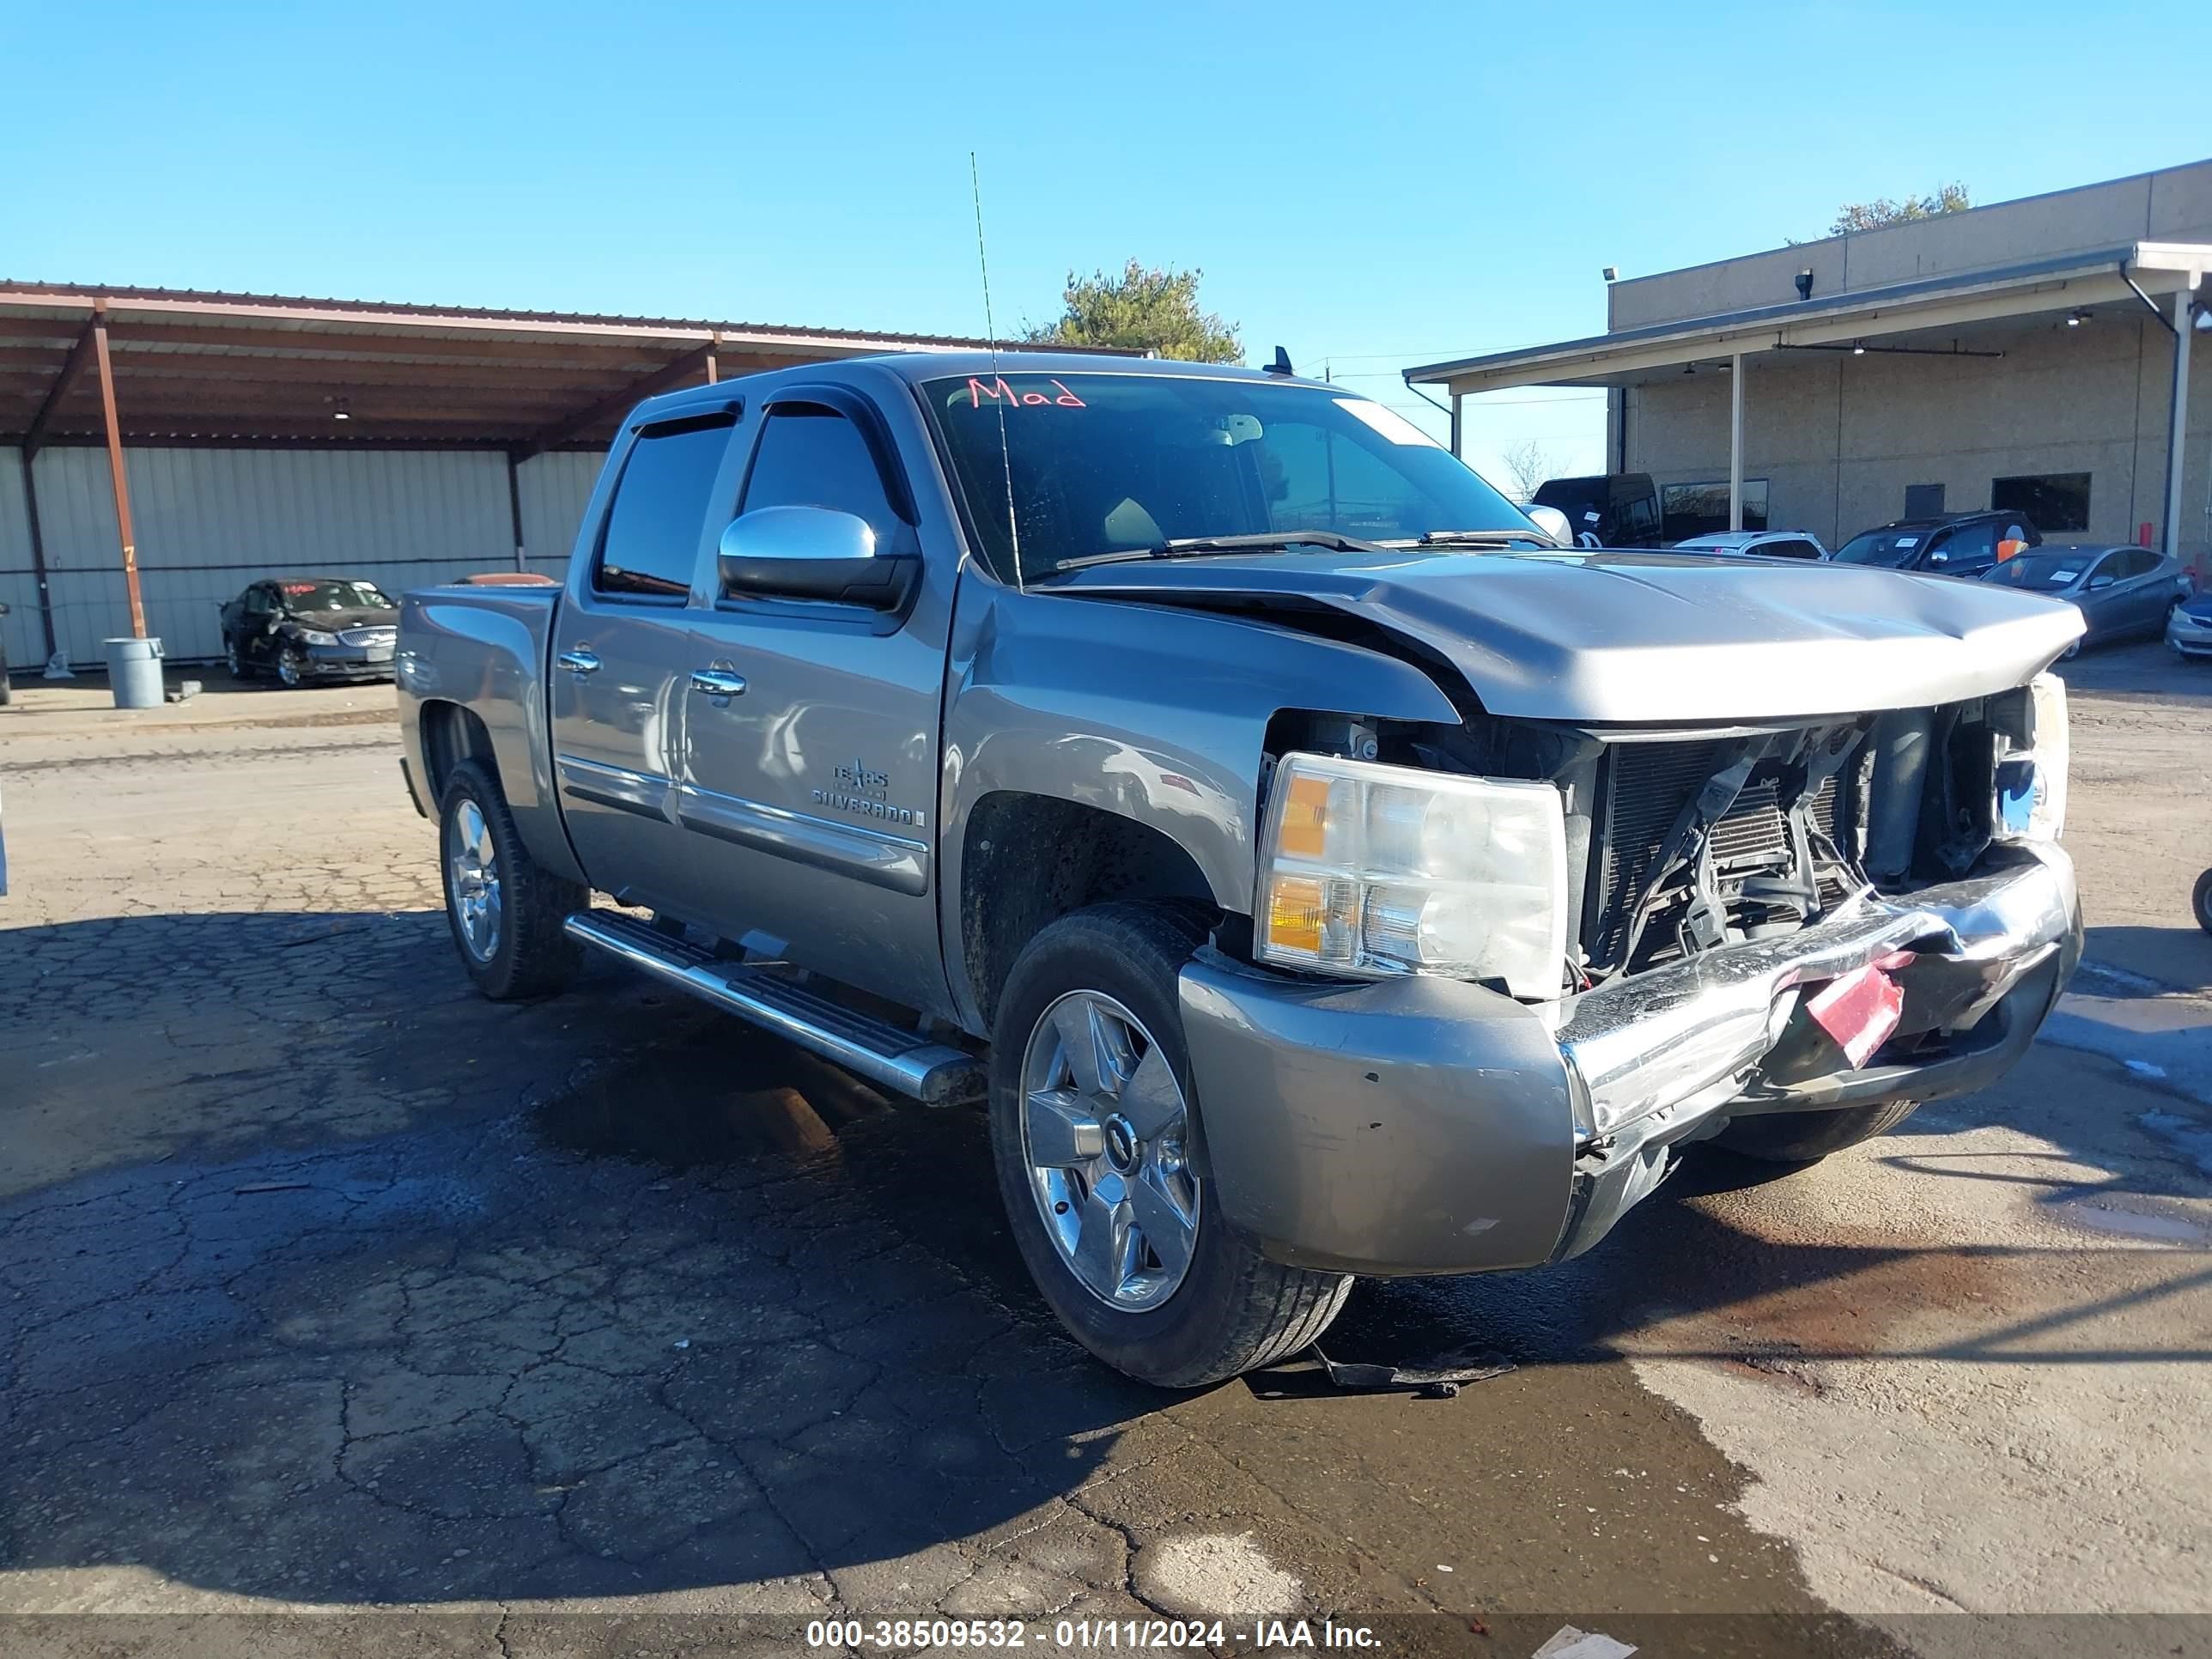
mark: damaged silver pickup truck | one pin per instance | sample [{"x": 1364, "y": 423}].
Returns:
[{"x": 1319, "y": 870}]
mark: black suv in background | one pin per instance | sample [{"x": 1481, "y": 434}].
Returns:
[
  {"x": 1956, "y": 544},
  {"x": 1609, "y": 509}
]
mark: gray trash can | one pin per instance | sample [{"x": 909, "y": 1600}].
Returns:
[{"x": 133, "y": 672}]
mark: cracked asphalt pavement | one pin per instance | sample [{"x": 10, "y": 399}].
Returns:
[{"x": 326, "y": 1286}]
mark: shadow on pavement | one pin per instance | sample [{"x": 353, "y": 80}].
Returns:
[
  {"x": 343, "y": 1285},
  {"x": 307, "y": 1308}
]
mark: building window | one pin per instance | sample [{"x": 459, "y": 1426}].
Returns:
[
  {"x": 1923, "y": 500},
  {"x": 1701, "y": 509},
  {"x": 2055, "y": 500}
]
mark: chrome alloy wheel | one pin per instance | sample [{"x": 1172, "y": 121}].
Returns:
[
  {"x": 291, "y": 667},
  {"x": 1105, "y": 1136},
  {"x": 472, "y": 867}
]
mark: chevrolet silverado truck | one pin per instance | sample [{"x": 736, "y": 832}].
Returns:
[{"x": 1317, "y": 869}]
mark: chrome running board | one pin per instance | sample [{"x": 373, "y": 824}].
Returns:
[{"x": 935, "y": 1073}]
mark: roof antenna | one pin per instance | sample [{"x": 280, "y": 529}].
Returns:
[
  {"x": 998, "y": 384},
  {"x": 1282, "y": 363}
]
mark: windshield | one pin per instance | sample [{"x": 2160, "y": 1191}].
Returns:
[
  {"x": 1106, "y": 463},
  {"x": 2041, "y": 570},
  {"x": 335, "y": 596},
  {"x": 1894, "y": 548}
]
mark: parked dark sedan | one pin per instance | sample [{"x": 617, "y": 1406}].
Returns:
[
  {"x": 2121, "y": 592},
  {"x": 310, "y": 628},
  {"x": 1957, "y": 544}
]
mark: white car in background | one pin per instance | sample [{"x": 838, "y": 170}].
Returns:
[{"x": 1756, "y": 543}]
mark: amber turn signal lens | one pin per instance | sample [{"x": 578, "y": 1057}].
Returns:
[
  {"x": 1295, "y": 914},
  {"x": 1304, "y": 832}
]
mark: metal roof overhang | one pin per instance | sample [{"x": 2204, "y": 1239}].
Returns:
[
  {"x": 267, "y": 370},
  {"x": 1963, "y": 300}
]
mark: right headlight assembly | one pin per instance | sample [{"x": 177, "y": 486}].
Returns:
[
  {"x": 2031, "y": 803},
  {"x": 1377, "y": 870}
]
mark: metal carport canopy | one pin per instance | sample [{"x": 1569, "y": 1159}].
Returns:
[
  {"x": 133, "y": 368},
  {"x": 2130, "y": 275},
  {"x": 211, "y": 367}
]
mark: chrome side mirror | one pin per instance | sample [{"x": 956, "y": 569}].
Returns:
[
  {"x": 812, "y": 553},
  {"x": 1553, "y": 523}
]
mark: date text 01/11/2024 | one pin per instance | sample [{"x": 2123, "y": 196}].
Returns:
[{"x": 1082, "y": 1634}]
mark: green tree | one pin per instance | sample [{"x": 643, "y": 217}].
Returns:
[
  {"x": 1873, "y": 215},
  {"x": 1144, "y": 309}
]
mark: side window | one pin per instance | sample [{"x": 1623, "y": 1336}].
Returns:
[
  {"x": 1972, "y": 545},
  {"x": 1794, "y": 549},
  {"x": 256, "y": 601},
  {"x": 1313, "y": 478},
  {"x": 651, "y": 543},
  {"x": 814, "y": 457}
]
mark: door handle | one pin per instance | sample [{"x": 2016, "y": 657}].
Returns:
[
  {"x": 717, "y": 683},
  {"x": 579, "y": 661}
]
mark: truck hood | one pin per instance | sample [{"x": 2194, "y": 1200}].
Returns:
[{"x": 1641, "y": 638}]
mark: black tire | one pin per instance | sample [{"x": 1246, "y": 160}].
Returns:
[
  {"x": 1233, "y": 1310},
  {"x": 2200, "y": 900},
  {"x": 1805, "y": 1137},
  {"x": 528, "y": 955},
  {"x": 291, "y": 667},
  {"x": 234, "y": 659}
]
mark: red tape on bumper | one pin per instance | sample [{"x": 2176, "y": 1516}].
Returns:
[{"x": 1859, "y": 1010}]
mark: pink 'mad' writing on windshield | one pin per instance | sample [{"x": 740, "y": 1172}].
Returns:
[{"x": 998, "y": 391}]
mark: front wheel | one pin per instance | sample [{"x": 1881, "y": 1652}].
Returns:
[
  {"x": 1093, "y": 1131},
  {"x": 505, "y": 908},
  {"x": 292, "y": 667},
  {"x": 1804, "y": 1137}
]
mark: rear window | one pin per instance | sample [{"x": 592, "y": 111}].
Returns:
[{"x": 651, "y": 544}]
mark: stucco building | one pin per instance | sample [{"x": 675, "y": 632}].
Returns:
[{"x": 2029, "y": 354}]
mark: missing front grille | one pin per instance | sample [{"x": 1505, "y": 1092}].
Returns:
[{"x": 1701, "y": 841}]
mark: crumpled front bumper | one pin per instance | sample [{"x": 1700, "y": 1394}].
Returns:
[{"x": 1417, "y": 1126}]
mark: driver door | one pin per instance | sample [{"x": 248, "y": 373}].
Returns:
[{"x": 808, "y": 794}]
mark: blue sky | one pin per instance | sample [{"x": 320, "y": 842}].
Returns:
[{"x": 1368, "y": 186}]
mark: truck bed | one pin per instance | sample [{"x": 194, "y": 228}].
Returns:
[{"x": 482, "y": 654}]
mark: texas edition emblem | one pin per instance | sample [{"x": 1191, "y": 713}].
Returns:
[{"x": 862, "y": 792}]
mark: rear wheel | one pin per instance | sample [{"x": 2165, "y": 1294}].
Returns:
[
  {"x": 240, "y": 668},
  {"x": 2200, "y": 900},
  {"x": 1803, "y": 1137},
  {"x": 1093, "y": 1123},
  {"x": 505, "y": 909}
]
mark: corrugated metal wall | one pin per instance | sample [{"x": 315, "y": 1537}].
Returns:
[
  {"x": 555, "y": 489},
  {"x": 209, "y": 521},
  {"x": 19, "y": 590}
]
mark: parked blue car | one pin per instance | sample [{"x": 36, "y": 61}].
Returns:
[
  {"x": 2121, "y": 591},
  {"x": 2189, "y": 629}
]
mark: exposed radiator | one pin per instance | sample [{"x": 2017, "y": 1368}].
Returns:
[{"x": 1651, "y": 785}]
